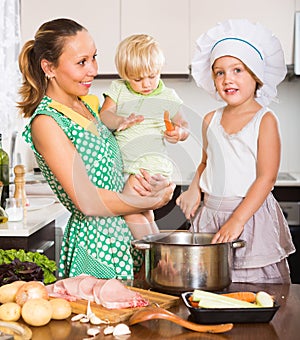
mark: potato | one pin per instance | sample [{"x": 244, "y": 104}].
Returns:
[
  {"x": 37, "y": 312},
  {"x": 61, "y": 309},
  {"x": 10, "y": 311},
  {"x": 8, "y": 291}
]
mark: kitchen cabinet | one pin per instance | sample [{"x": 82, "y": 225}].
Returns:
[
  {"x": 101, "y": 18},
  {"x": 38, "y": 231},
  {"x": 277, "y": 15},
  {"x": 168, "y": 22},
  {"x": 111, "y": 21},
  {"x": 42, "y": 241},
  {"x": 176, "y": 24}
]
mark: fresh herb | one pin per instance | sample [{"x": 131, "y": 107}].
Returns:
[
  {"x": 48, "y": 266},
  {"x": 20, "y": 271}
]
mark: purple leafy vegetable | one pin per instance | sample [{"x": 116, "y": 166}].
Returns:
[{"x": 20, "y": 271}]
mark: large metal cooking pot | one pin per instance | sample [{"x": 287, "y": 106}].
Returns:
[{"x": 181, "y": 261}]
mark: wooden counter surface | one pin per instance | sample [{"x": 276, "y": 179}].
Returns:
[{"x": 285, "y": 324}]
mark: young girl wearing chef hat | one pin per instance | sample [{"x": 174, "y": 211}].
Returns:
[{"x": 241, "y": 63}]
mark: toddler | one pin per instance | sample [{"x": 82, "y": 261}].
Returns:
[{"x": 135, "y": 107}]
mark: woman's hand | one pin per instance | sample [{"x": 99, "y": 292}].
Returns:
[
  {"x": 189, "y": 202},
  {"x": 129, "y": 121}
]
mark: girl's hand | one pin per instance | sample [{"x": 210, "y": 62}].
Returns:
[
  {"x": 229, "y": 232},
  {"x": 189, "y": 202},
  {"x": 129, "y": 121}
]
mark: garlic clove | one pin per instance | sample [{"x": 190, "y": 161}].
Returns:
[
  {"x": 78, "y": 317},
  {"x": 89, "y": 312},
  {"x": 84, "y": 320},
  {"x": 121, "y": 329},
  {"x": 93, "y": 331},
  {"x": 108, "y": 330},
  {"x": 94, "y": 320}
]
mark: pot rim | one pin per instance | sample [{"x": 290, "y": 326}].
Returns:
[{"x": 146, "y": 241}]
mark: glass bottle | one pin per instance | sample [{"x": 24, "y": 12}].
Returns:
[
  {"x": 4, "y": 173},
  {"x": 3, "y": 215}
]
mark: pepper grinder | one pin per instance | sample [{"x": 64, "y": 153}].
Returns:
[{"x": 20, "y": 192}]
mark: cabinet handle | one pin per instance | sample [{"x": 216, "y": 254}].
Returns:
[{"x": 43, "y": 247}]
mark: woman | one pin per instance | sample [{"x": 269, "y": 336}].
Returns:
[{"x": 78, "y": 155}]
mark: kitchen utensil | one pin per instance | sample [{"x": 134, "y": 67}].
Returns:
[
  {"x": 121, "y": 315},
  {"x": 17, "y": 329},
  {"x": 181, "y": 261},
  {"x": 151, "y": 313},
  {"x": 224, "y": 315}
]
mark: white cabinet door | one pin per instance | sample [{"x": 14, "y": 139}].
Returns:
[
  {"x": 168, "y": 22},
  {"x": 277, "y": 15},
  {"x": 100, "y": 17}
]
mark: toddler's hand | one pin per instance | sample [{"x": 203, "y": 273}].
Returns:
[
  {"x": 157, "y": 186},
  {"x": 129, "y": 121},
  {"x": 174, "y": 136}
]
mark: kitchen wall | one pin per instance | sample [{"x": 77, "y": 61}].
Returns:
[{"x": 197, "y": 102}]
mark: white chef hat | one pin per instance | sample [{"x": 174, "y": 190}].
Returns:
[{"x": 252, "y": 43}]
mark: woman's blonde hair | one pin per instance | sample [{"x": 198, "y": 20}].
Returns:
[
  {"x": 138, "y": 55},
  {"x": 48, "y": 44}
]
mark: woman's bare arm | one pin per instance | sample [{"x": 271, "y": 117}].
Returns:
[{"x": 69, "y": 169}]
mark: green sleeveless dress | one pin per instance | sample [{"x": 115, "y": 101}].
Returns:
[{"x": 94, "y": 245}]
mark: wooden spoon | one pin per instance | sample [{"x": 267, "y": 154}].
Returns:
[{"x": 151, "y": 313}]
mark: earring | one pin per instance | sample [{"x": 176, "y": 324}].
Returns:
[
  {"x": 47, "y": 76},
  {"x": 258, "y": 93}
]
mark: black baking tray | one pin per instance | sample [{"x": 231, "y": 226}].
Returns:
[{"x": 232, "y": 315}]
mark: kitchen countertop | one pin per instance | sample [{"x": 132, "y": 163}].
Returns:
[
  {"x": 284, "y": 179},
  {"x": 284, "y": 325},
  {"x": 33, "y": 221}
]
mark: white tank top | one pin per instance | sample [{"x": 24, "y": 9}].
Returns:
[{"x": 231, "y": 158}]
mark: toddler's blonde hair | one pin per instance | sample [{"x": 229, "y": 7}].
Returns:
[{"x": 138, "y": 55}]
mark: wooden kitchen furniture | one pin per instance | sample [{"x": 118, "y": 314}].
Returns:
[{"x": 285, "y": 324}]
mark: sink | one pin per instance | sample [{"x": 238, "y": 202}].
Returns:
[{"x": 285, "y": 176}]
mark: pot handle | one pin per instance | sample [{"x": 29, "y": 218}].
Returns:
[
  {"x": 238, "y": 244},
  {"x": 140, "y": 244}
]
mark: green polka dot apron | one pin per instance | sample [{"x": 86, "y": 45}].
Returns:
[{"x": 94, "y": 245}]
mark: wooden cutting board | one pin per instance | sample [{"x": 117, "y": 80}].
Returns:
[{"x": 121, "y": 315}]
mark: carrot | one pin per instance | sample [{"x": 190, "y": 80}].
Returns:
[
  {"x": 192, "y": 302},
  {"x": 243, "y": 296},
  {"x": 169, "y": 125}
]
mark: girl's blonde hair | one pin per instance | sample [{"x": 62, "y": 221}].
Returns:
[
  {"x": 138, "y": 55},
  {"x": 48, "y": 44}
]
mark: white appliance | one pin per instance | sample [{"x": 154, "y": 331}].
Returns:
[{"x": 297, "y": 44}]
